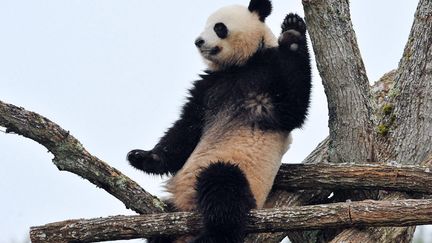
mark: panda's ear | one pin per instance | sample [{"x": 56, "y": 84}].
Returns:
[{"x": 262, "y": 7}]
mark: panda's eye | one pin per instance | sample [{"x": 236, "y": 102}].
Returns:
[{"x": 221, "y": 30}]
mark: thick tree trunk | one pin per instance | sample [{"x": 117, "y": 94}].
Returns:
[{"x": 344, "y": 78}]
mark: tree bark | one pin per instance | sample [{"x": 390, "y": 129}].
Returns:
[{"x": 371, "y": 213}]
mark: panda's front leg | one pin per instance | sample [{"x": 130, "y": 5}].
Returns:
[
  {"x": 293, "y": 36},
  {"x": 147, "y": 161},
  {"x": 172, "y": 151},
  {"x": 175, "y": 147}
]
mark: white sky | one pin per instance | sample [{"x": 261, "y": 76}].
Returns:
[{"x": 115, "y": 73}]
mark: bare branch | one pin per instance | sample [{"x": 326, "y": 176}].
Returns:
[
  {"x": 344, "y": 78},
  {"x": 371, "y": 213},
  {"x": 70, "y": 155},
  {"x": 351, "y": 176}
]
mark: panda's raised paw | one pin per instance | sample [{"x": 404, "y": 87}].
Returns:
[
  {"x": 293, "y": 32},
  {"x": 144, "y": 160},
  {"x": 294, "y": 24}
]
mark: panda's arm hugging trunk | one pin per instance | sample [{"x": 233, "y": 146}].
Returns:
[
  {"x": 174, "y": 148},
  {"x": 291, "y": 91}
]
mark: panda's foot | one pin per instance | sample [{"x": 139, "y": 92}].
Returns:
[
  {"x": 293, "y": 32},
  {"x": 146, "y": 161}
]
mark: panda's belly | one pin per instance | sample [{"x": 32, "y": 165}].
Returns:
[{"x": 257, "y": 153}]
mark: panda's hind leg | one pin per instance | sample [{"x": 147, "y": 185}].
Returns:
[{"x": 224, "y": 199}]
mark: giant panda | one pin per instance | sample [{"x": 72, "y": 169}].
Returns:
[{"x": 226, "y": 148}]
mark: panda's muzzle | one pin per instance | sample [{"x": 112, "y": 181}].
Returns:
[{"x": 205, "y": 50}]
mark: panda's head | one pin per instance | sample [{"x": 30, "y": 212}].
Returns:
[{"x": 234, "y": 33}]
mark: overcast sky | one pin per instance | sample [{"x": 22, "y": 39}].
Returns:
[{"x": 115, "y": 74}]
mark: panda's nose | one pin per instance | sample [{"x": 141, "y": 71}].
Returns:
[{"x": 199, "y": 42}]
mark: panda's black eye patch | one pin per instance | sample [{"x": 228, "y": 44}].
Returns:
[{"x": 221, "y": 30}]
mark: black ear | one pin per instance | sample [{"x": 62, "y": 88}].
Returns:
[{"x": 262, "y": 7}]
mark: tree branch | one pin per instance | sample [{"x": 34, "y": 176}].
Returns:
[
  {"x": 371, "y": 213},
  {"x": 70, "y": 155},
  {"x": 351, "y": 176},
  {"x": 344, "y": 78}
]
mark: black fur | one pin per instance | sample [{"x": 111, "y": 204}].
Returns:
[
  {"x": 161, "y": 239},
  {"x": 221, "y": 30},
  {"x": 262, "y": 7},
  {"x": 283, "y": 74},
  {"x": 224, "y": 199}
]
